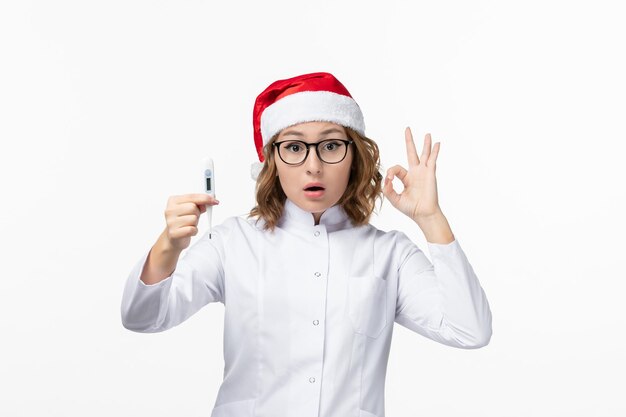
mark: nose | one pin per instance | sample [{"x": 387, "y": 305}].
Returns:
[{"x": 312, "y": 163}]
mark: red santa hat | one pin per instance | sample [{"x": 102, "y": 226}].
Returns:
[{"x": 318, "y": 96}]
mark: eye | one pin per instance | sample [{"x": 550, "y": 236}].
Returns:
[
  {"x": 331, "y": 145},
  {"x": 294, "y": 147}
]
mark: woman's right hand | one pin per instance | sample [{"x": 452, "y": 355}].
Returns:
[{"x": 182, "y": 214}]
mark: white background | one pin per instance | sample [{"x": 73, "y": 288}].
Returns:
[{"x": 106, "y": 109}]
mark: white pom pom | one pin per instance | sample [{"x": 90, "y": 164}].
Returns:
[{"x": 255, "y": 169}]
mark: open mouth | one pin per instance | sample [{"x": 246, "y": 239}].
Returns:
[{"x": 314, "y": 190}]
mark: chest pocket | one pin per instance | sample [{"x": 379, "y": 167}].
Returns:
[{"x": 367, "y": 293}]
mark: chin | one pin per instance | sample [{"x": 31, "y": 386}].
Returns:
[{"x": 314, "y": 205}]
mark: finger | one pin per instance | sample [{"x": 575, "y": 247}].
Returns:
[
  {"x": 397, "y": 171},
  {"x": 183, "y": 231},
  {"x": 198, "y": 198},
  {"x": 188, "y": 208},
  {"x": 186, "y": 220},
  {"x": 411, "y": 152},
  {"x": 432, "y": 161},
  {"x": 426, "y": 148},
  {"x": 390, "y": 193}
]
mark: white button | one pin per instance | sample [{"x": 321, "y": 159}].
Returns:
[
  {"x": 316, "y": 322},
  {"x": 317, "y": 233},
  {"x": 317, "y": 274},
  {"x": 311, "y": 379}
]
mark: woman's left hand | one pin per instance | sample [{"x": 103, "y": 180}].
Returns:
[{"x": 418, "y": 199}]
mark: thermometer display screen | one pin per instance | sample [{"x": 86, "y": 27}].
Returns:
[{"x": 208, "y": 184}]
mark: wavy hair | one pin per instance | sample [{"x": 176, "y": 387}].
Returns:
[{"x": 358, "y": 201}]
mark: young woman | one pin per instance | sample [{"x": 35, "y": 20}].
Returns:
[{"x": 311, "y": 290}]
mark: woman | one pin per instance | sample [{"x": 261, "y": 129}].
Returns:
[{"x": 311, "y": 290}]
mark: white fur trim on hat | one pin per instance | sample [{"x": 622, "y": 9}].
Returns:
[
  {"x": 255, "y": 169},
  {"x": 309, "y": 106}
]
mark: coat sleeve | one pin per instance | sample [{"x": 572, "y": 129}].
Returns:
[
  {"x": 197, "y": 280},
  {"x": 442, "y": 300}
]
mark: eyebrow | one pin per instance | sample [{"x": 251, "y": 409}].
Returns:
[{"x": 324, "y": 132}]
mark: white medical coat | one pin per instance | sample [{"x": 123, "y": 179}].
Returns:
[{"x": 309, "y": 309}]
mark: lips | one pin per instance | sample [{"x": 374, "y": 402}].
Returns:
[
  {"x": 316, "y": 186},
  {"x": 314, "y": 190}
]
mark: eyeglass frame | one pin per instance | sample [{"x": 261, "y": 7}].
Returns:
[{"x": 346, "y": 142}]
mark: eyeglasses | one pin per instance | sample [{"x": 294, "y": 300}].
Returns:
[{"x": 295, "y": 152}]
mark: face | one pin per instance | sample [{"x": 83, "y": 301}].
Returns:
[{"x": 314, "y": 185}]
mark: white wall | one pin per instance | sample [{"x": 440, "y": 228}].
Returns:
[{"x": 106, "y": 109}]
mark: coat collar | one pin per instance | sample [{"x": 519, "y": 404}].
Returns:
[{"x": 334, "y": 218}]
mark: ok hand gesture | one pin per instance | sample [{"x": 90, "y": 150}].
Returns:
[{"x": 418, "y": 199}]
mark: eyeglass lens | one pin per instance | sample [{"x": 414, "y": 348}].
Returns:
[{"x": 330, "y": 151}]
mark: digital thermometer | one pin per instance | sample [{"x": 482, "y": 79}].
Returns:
[{"x": 209, "y": 187}]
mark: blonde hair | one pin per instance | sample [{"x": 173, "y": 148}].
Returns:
[{"x": 358, "y": 201}]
